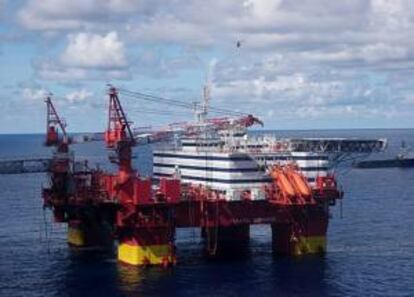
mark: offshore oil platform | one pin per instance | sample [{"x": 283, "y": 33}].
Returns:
[{"x": 214, "y": 178}]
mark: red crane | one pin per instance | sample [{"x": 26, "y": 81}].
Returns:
[{"x": 53, "y": 123}]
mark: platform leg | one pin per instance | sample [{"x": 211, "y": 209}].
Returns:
[
  {"x": 89, "y": 234},
  {"x": 282, "y": 239},
  {"x": 304, "y": 235},
  {"x": 147, "y": 246}
]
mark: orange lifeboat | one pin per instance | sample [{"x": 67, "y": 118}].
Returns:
[
  {"x": 282, "y": 182},
  {"x": 290, "y": 185},
  {"x": 300, "y": 184},
  {"x": 285, "y": 185}
]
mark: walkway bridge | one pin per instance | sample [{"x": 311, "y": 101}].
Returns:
[{"x": 24, "y": 164}]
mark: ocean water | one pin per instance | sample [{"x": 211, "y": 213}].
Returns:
[{"x": 370, "y": 250}]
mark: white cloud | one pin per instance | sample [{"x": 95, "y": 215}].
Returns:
[
  {"x": 87, "y": 50},
  {"x": 310, "y": 57},
  {"x": 170, "y": 30},
  {"x": 380, "y": 29},
  {"x": 308, "y": 93},
  {"x": 262, "y": 9},
  {"x": 409, "y": 98},
  {"x": 71, "y": 15},
  {"x": 34, "y": 94},
  {"x": 383, "y": 51},
  {"x": 87, "y": 56},
  {"x": 49, "y": 70},
  {"x": 79, "y": 96}
]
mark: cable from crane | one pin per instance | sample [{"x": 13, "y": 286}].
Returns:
[
  {"x": 159, "y": 112},
  {"x": 157, "y": 99},
  {"x": 175, "y": 102}
]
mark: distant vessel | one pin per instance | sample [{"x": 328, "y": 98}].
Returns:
[{"x": 401, "y": 160}]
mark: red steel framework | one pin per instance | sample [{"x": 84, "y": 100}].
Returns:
[
  {"x": 53, "y": 122},
  {"x": 100, "y": 207}
]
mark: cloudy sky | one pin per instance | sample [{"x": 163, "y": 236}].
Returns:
[{"x": 301, "y": 64}]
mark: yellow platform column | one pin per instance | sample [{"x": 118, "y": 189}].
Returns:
[
  {"x": 147, "y": 246},
  {"x": 87, "y": 234},
  {"x": 77, "y": 234},
  {"x": 310, "y": 245},
  {"x": 301, "y": 236}
]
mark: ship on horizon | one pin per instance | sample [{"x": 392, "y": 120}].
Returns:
[{"x": 404, "y": 159}]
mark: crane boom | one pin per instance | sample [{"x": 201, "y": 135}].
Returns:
[
  {"x": 53, "y": 122},
  {"x": 119, "y": 128}
]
